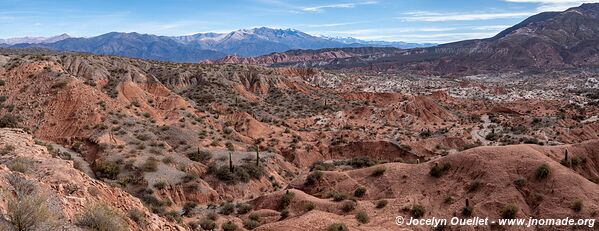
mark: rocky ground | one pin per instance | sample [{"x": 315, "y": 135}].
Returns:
[{"x": 187, "y": 146}]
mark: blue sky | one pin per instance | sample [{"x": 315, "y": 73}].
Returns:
[{"x": 391, "y": 20}]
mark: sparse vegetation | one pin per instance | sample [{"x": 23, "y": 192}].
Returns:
[
  {"x": 102, "y": 217},
  {"x": 337, "y": 196},
  {"x": 227, "y": 209},
  {"x": 9, "y": 121},
  {"x": 250, "y": 224},
  {"x": 207, "y": 224},
  {"x": 509, "y": 212},
  {"x": 313, "y": 178},
  {"x": 378, "y": 171},
  {"x": 27, "y": 209},
  {"x": 418, "y": 211},
  {"x": 285, "y": 200},
  {"x": 359, "y": 192},
  {"x": 474, "y": 185},
  {"x": 381, "y": 203},
  {"x": 107, "y": 169},
  {"x": 362, "y": 217},
  {"x": 20, "y": 164},
  {"x": 348, "y": 206},
  {"x": 542, "y": 172},
  {"x": 337, "y": 227},
  {"x": 439, "y": 169},
  {"x": 576, "y": 206},
  {"x": 199, "y": 156},
  {"x": 229, "y": 226}
]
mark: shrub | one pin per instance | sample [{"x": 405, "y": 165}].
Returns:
[
  {"x": 362, "y": 217},
  {"x": 381, "y": 203},
  {"x": 227, "y": 209},
  {"x": 229, "y": 226},
  {"x": 254, "y": 217},
  {"x": 577, "y": 206},
  {"x": 199, "y": 156},
  {"x": 321, "y": 166},
  {"x": 207, "y": 224},
  {"x": 337, "y": 196},
  {"x": 7, "y": 150},
  {"x": 438, "y": 169},
  {"x": 9, "y": 121},
  {"x": 361, "y": 162},
  {"x": 250, "y": 224},
  {"x": 285, "y": 200},
  {"x": 150, "y": 165},
  {"x": 284, "y": 214},
  {"x": 418, "y": 211},
  {"x": 542, "y": 172},
  {"x": 309, "y": 206},
  {"x": 109, "y": 170},
  {"x": 474, "y": 185},
  {"x": 348, "y": 206},
  {"x": 20, "y": 164},
  {"x": 27, "y": 210},
  {"x": 509, "y": 212},
  {"x": 337, "y": 227},
  {"x": 243, "y": 208},
  {"x": 101, "y": 217},
  {"x": 160, "y": 185},
  {"x": 313, "y": 178},
  {"x": 520, "y": 182},
  {"x": 378, "y": 171},
  {"x": 188, "y": 207},
  {"x": 137, "y": 216},
  {"x": 359, "y": 192},
  {"x": 467, "y": 210}
]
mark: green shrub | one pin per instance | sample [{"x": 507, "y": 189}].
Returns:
[
  {"x": 207, "y": 224},
  {"x": 101, "y": 217},
  {"x": 438, "y": 169},
  {"x": 254, "y": 216},
  {"x": 520, "y": 182},
  {"x": 188, "y": 207},
  {"x": 229, "y": 226},
  {"x": 509, "y": 212},
  {"x": 474, "y": 185},
  {"x": 418, "y": 211},
  {"x": 199, "y": 156},
  {"x": 309, "y": 206},
  {"x": 542, "y": 172},
  {"x": 378, "y": 171},
  {"x": 250, "y": 224},
  {"x": 284, "y": 214},
  {"x": 337, "y": 227},
  {"x": 359, "y": 192},
  {"x": 243, "y": 208},
  {"x": 150, "y": 165},
  {"x": 137, "y": 216},
  {"x": 27, "y": 209},
  {"x": 577, "y": 206},
  {"x": 227, "y": 209},
  {"x": 20, "y": 164},
  {"x": 321, "y": 166},
  {"x": 313, "y": 178},
  {"x": 348, "y": 206},
  {"x": 9, "y": 121},
  {"x": 285, "y": 200},
  {"x": 160, "y": 185},
  {"x": 337, "y": 196},
  {"x": 381, "y": 203},
  {"x": 108, "y": 169},
  {"x": 362, "y": 217}
]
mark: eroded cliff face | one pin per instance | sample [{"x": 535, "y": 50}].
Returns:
[{"x": 67, "y": 192}]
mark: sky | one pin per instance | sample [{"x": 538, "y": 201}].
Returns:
[{"x": 421, "y": 21}]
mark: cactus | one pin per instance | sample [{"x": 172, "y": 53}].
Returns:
[
  {"x": 566, "y": 155},
  {"x": 257, "y": 156},
  {"x": 231, "y": 168}
]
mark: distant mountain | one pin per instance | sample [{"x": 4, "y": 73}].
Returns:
[
  {"x": 403, "y": 45},
  {"x": 34, "y": 40},
  {"x": 258, "y": 41},
  {"x": 197, "y": 47},
  {"x": 551, "y": 40},
  {"x": 132, "y": 45}
]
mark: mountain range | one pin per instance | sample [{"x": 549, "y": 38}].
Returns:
[
  {"x": 196, "y": 47},
  {"x": 555, "y": 40}
]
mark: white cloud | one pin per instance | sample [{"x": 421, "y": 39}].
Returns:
[
  {"x": 554, "y": 5},
  {"x": 427, "y": 16},
  {"x": 339, "y": 5}
]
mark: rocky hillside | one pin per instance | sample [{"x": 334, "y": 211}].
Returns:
[{"x": 223, "y": 145}]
